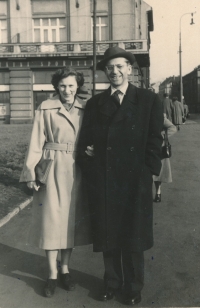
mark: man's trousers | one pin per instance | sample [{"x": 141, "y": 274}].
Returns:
[{"x": 124, "y": 269}]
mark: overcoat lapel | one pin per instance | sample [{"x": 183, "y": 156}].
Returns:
[
  {"x": 129, "y": 105},
  {"x": 67, "y": 115},
  {"x": 77, "y": 104},
  {"x": 106, "y": 106},
  {"x": 55, "y": 103}
]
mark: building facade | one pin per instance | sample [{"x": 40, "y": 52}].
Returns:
[
  {"x": 39, "y": 36},
  {"x": 191, "y": 90},
  {"x": 171, "y": 86}
]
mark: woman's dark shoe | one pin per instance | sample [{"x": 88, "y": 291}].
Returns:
[
  {"x": 107, "y": 295},
  {"x": 67, "y": 282},
  {"x": 157, "y": 198},
  {"x": 50, "y": 286}
]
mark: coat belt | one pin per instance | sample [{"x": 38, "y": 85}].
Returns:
[{"x": 67, "y": 147}]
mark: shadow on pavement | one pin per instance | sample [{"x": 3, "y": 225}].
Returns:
[
  {"x": 32, "y": 270},
  {"x": 8, "y": 180}
]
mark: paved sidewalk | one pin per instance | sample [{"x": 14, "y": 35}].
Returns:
[{"x": 172, "y": 266}]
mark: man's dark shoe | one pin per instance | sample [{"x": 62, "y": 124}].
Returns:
[
  {"x": 49, "y": 288},
  {"x": 132, "y": 300},
  {"x": 67, "y": 282},
  {"x": 107, "y": 295}
]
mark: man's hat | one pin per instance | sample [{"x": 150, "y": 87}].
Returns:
[
  {"x": 115, "y": 52},
  {"x": 82, "y": 92}
]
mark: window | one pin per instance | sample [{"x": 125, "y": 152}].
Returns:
[
  {"x": 48, "y": 30},
  {"x": 101, "y": 28},
  {"x": 42, "y": 77},
  {"x": 39, "y": 97},
  {"x": 4, "y": 78},
  {"x": 5, "y": 97},
  {"x": 3, "y": 31}
]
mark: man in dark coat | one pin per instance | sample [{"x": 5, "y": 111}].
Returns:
[{"x": 120, "y": 145}]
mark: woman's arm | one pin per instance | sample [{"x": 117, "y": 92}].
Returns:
[
  {"x": 34, "y": 152},
  {"x": 170, "y": 127}
]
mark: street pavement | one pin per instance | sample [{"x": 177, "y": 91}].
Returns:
[{"x": 172, "y": 266}]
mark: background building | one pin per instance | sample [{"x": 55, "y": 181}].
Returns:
[
  {"x": 191, "y": 90},
  {"x": 39, "y": 36},
  {"x": 170, "y": 85}
]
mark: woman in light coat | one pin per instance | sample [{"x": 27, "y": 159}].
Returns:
[
  {"x": 165, "y": 175},
  {"x": 60, "y": 214},
  {"x": 177, "y": 112}
]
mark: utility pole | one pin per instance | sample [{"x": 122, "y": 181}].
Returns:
[
  {"x": 180, "y": 54},
  {"x": 94, "y": 46}
]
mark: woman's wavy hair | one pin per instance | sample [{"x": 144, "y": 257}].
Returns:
[{"x": 63, "y": 73}]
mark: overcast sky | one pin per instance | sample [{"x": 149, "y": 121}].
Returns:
[{"x": 164, "y": 55}]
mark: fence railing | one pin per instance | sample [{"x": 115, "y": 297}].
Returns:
[{"x": 72, "y": 48}]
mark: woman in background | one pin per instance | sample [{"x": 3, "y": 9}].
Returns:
[
  {"x": 177, "y": 112},
  {"x": 60, "y": 217},
  {"x": 165, "y": 175}
]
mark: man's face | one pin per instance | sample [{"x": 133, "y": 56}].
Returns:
[{"x": 117, "y": 71}]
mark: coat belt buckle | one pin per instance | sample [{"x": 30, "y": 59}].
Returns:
[{"x": 70, "y": 147}]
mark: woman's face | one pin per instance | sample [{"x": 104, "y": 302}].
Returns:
[{"x": 67, "y": 88}]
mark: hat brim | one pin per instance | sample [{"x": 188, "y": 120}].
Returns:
[
  {"x": 127, "y": 55},
  {"x": 82, "y": 95}
]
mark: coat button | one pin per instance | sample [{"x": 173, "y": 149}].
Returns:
[
  {"x": 132, "y": 149},
  {"x": 133, "y": 127},
  {"x": 109, "y": 148}
]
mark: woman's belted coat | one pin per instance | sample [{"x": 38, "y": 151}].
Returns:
[
  {"x": 177, "y": 113},
  {"x": 60, "y": 208},
  {"x": 127, "y": 146}
]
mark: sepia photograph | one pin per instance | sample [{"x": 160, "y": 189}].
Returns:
[{"x": 99, "y": 153}]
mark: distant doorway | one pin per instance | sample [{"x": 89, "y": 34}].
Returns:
[{"x": 40, "y": 96}]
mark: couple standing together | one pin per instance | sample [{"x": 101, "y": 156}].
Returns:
[{"x": 91, "y": 171}]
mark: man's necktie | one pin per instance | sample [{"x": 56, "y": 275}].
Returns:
[{"x": 116, "y": 98}]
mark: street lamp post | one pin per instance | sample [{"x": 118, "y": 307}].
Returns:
[
  {"x": 94, "y": 46},
  {"x": 180, "y": 55}
]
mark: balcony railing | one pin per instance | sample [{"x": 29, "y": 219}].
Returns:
[{"x": 70, "y": 48}]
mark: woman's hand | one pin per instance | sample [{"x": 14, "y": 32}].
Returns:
[
  {"x": 33, "y": 185},
  {"x": 90, "y": 150}
]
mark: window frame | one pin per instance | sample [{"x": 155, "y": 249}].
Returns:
[
  {"x": 3, "y": 29},
  {"x": 99, "y": 26},
  {"x": 49, "y": 28}
]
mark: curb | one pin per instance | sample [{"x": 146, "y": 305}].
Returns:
[{"x": 14, "y": 212}]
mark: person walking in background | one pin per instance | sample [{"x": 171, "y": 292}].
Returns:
[
  {"x": 177, "y": 112},
  {"x": 167, "y": 106},
  {"x": 165, "y": 175},
  {"x": 59, "y": 198},
  {"x": 186, "y": 111},
  {"x": 120, "y": 145}
]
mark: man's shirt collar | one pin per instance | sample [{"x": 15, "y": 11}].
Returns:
[{"x": 122, "y": 89}]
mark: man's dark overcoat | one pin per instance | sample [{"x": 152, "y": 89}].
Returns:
[{"x": 127, "y": 144}]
